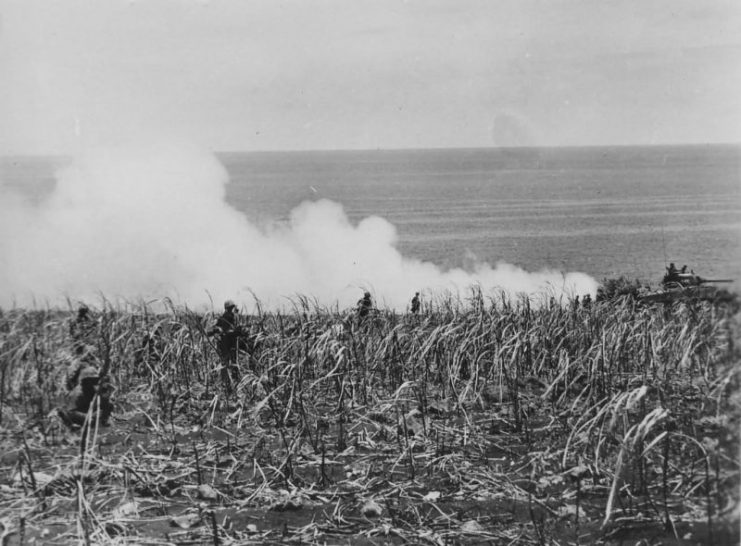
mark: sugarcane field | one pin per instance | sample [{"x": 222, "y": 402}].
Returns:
[{"x": 467, "y": 421}]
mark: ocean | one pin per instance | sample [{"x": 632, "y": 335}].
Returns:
[{"x": 604, "y": 211}]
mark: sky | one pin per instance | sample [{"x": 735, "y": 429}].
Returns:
[{"x": 331, "y": 74}]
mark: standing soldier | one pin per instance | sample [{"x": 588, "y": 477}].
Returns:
[
  {"x": 82, "y": 330},
  {"x": 150, "y": 352},
  {"x": 365, "y": 304},
  {"x": 415, "y": 303},
  {"x": 228, "y": 329}
]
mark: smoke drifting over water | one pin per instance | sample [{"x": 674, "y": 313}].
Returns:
[{"x": 153, "y": 222}]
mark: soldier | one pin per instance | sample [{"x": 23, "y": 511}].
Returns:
[
  {"x": 365, "y": 304},
  {"x": 83, "y": 395},
  {"x": 82, "y": 330},
  {"x": 415, "y": 303},
  {"x": 672, "y": 273},
  {"x": 228, "y": 329},
  {"x": 149, "y": 353}
]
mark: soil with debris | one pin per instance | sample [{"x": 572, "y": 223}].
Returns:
[{"x": 597, "y": 426}]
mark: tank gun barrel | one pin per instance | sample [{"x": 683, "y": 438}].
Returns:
[{"x": 701, "y": 280}]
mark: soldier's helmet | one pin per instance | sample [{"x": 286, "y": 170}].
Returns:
[
  {"x": 229, "y": 304},
  {"x": 83, "y": 309},
  {"x": 89, "y": 373},
  {"x": 367, "y": 295}
]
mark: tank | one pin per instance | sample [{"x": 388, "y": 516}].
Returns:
[{"x": 681, "y": 285}]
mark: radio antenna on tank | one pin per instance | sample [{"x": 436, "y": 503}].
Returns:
[{"x": 663, "y": 243}]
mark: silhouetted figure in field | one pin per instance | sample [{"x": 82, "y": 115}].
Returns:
[
  {"x": 151, "y": 349},
  {"x": 228, "y": 330},
  {"x": 82, "y": 330},
  {"x": 365, "y": 304},
  {"x": 83, "y": 398},
  {"x": 586, "y": 301},
  {"x": 415, "y": 303}
]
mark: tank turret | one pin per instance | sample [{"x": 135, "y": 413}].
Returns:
[{"x": 690, "y": 279}]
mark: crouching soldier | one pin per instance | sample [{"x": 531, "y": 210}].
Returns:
[
  {"x": 82, "y": 396},
  {"x": 76, "y": 366}
]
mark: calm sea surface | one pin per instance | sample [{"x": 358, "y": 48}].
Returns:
[{"x": 603, "y": 211}]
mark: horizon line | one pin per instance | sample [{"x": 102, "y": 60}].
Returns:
[
  {"x": 461, "y": 148},
  {"x": 422, "y": 149}
]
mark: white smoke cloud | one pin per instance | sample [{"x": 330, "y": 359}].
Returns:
[{"x": 153, "y": 222}]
